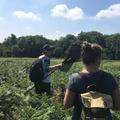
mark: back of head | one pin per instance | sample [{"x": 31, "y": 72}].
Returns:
[{"x": 90, "y": 52}]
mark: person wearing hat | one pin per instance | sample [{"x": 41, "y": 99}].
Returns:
[{"x": 45, "y": 85}]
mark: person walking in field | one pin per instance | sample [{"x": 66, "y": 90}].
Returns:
[
  {"x": 44, "y": 85},
  {"x": 91, "y": 78}
]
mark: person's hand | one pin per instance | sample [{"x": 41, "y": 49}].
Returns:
[{"x": 59, "y": 65}]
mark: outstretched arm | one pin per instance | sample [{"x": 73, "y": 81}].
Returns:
[{"x": 57, "y": 66}]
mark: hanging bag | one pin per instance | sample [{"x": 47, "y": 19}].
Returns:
[
  {"x": 95, "y": 103},
  {"x": 93, "y": 99}
]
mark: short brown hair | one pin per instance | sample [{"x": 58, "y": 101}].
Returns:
[{"x": 90, "y": 52}]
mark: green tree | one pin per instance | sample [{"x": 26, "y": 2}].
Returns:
[
  {"x": 113, "y": 46},
  {"x": 10, "y": 40},
  {"x": 92, "y": 37}
]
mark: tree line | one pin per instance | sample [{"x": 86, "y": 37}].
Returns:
[{"x": 30, "y": 46}]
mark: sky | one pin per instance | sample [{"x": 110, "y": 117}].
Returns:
[{"x": 56, "y": 18}]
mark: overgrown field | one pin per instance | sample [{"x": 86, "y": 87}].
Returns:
[{"x": 14, "y": 81}]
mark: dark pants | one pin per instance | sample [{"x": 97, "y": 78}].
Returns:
[
  {"x": 41, "y": 88},
  {"x": 76, "y": 114}
]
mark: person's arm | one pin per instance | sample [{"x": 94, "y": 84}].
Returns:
[
  {"x": 57, "y": 66},
  {"x": 69, "y": 98},
  {"x": 116, "y": 97}
]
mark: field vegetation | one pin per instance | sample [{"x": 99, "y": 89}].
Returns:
[{"x": 16, "y": 104}]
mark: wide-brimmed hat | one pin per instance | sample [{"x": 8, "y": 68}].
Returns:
[{"x": 47, "y": 47}]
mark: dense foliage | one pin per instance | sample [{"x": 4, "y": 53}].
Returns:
[
  {"x": 30, "y": 46},
  {"x": 14, "y": 81}
]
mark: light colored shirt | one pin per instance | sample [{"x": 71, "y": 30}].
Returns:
[{"x": 46, "y": 64}]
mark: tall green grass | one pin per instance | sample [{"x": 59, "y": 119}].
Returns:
[{"x": 14, "y": 81}]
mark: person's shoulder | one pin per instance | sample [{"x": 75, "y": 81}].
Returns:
[
  {"x": 74, "y": 81},
  {"x": 110, "y": 80},
  {"x": 41, "y": 57},
  {"x": 107, "y": 74},
  {"x": 75, "y": 76}
]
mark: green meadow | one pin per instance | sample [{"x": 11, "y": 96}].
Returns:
[{"x": 16, "y": 104}]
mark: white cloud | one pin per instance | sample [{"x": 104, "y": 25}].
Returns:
[
  {"x": 62, "y": 10},
  {"x": 112, "y": 11},
  {"x": 59, "y": 10},
  {"x": 75, "y": 14},
  {"x": 27, "y": 15}
]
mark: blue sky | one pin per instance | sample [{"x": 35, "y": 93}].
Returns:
[{"x": 55, "y": 18}]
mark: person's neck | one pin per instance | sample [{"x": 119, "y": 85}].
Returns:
[
  {"x": 45, "y": 55},
  {"x": 90, "y": 69}
]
